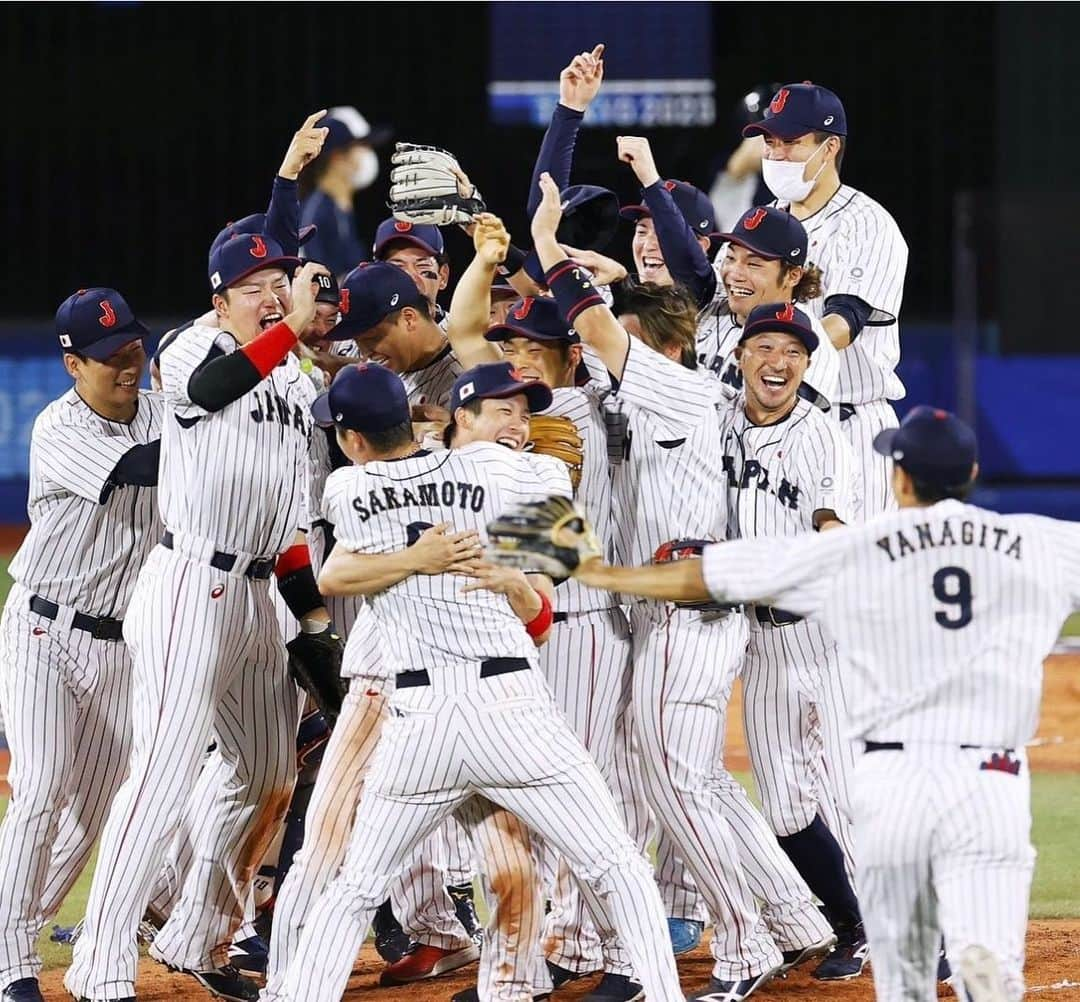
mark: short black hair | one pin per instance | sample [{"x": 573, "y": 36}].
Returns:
[
  {"x": 932, "y": 493},
  {"x": 389, "y": 439},
  {"x": 820, "y": 137},
  {"x": 473, "y": 407}
]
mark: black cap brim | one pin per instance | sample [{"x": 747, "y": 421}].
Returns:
[
  {"x": 101, "y": 350},
  {"x": 286, "y": 264},
  {"x": 635, "y": 212},
  {"x": 808, "y": 338},
  {"x": 320, "y": 410},
  {"x": 735, "y": 238},
  {"x": 884, "y": 440},
  {"x": 537, "y": 395},
  {"x": 503, "y": 332}
]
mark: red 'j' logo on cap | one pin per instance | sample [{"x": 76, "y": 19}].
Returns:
[
  {"x": 343, "y": 302},
  {"x": 108, "y": 317},
  {"x": 523, "y": 310},
  {"x": 669, "y": 185},
  {"x": 753, "y": 219},
  {"x": 258, "y": 248},
  {"x": 403, "y": 227},
  {"x": 776, "y": 105},
  {"x": 787, "y": 314}
]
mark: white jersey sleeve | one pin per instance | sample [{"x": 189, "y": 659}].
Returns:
[
  {"x": 676, "y": 398},
  {"x": 868, "y": 259},
  {"x": 548, "y": 474},
  {"x": 80, "y": 464},
  {"x": 183, "y": 355},
  {"x": 828, "y": 470}
]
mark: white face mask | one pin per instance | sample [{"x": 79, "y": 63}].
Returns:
[
  {"x": 784, "y": 178},
  {"x": 367, "y": 169}
]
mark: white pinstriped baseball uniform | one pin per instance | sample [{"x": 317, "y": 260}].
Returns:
[
  {"x": 718, "y": 336},
  {"x": 777, "y": 477},
  {"x": 66, "y": 694},
  {"x": 944, "y": 615},
  {"x": 499, "y": 736},
  {"x": 861, "y": 252},
  {"x": 586, "y": 663},
  {"x": 208, "y": 660},
  {"x": 670, "y": 485}
]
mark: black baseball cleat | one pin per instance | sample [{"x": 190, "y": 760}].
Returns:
[
  {"x": 615, "y": 988},
  {"x": 848, "y": 958},
  {"x": 795, "y": 958},
  {"x": 222, "y": 982},
  {"x": 465, "y": 909},
  {"x": 23, "y": 990},
  {"x": 732, "y": 991},
  {"x": 250, "y": 956},
  {"x": 391, "y": 941},
  {"x": 563, "y": 976}
]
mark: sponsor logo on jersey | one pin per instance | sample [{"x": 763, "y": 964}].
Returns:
[
  {"x": 754, "y": 476},
  {"x": 434, "y": 494},
  {"x": 1002, "y": 763},
  {"x": 217, "y": 591}
]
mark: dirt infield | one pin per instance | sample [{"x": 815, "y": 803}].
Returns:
[{"x": 1053, "y": 972}]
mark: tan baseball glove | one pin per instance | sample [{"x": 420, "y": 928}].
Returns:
[{"x": 552, "y": 435}]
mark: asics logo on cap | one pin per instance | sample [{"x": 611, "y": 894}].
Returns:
[
  {"x": 394, "y": 299},
  {"x": 108, "y": 317},
  {"x": 343, "y": 301},
  {"x": 523, "y": 310},
  {"x": 787, "y": 314},
  {"x": 776, "y": 105},
  {"x": 828, "y": 120},
  {"x": 258, "y": 248},
  {"x": 754, "y": 219}
]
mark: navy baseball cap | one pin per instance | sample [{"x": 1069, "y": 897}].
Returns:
[
  {"x": 932, "y": 445},
  {"x": 427, "y": 238},
  {"x": 797, "y": 109},
  {"x": 772, "y": 317},
  {"x": 97, "y": 323},
  {"x": 369, "y": 294},
  {"x": 363, "y": 397},
  {"x": 256, "y": 223},
  {"x": 496, "y": 381},
  {"x": 590, "y": 216},
  {"x": 770, "y": 233},
  {"x": 245, "y": 253},
  {"x": 693, "y": 203},
  {"x": 538, "y": 319},
  {"x": 502, "y": 290}
]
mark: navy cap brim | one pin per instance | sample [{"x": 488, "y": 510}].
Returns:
[
  {"x": 537, "y": 395},
  {"x": 808, "y": 338},
  {"x": 635, "y": 212},
  {"x": 99, "y": 351},
  {"x": 320, "y": 410},
  {"x": 503, "y": 332},
  {"x": 408, "y": 239},
  {"x": 734, "y": 238},
  {"x": 306, "y": 233},
  {"x": 884, "y": 441},
  {"x": 285, "y": 263}
]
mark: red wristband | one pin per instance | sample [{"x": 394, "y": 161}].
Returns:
[
  {"x": 270, "y": 348},
  {"x": 541, "y": 622},
  {"x": 295, "y": 558}
]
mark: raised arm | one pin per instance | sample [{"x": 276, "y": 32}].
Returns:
[
  {"x": 470, "y": 308},
  {"x": 283, "y": 213}
]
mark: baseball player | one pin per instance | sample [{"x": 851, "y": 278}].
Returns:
[
  {"x": 64, "y": 669},
  {"x": 389, "y": 316},
  {"x": 420, "y": 252},
  {"x": 862, "y": 256},
  {"x": 669, "y": 486},
  {"x": 587, "y": 660},
  {"x": 478, "y": 680},
  {"x": 233, "y": 410},
  {"x": 789, "y": 470},
  {"x": 945, "y": 613}
]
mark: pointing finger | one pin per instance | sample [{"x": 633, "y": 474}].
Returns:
[{"x": 309, "y": 122}]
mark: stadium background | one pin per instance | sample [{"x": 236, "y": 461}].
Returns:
[{"x": 135, "y": 130}]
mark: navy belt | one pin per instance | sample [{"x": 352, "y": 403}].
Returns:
[
  {"x": 560, "y": 617},
  {"x": 847, "y": 411},
  {"x": 259, "y": 569},
  {"x": 488, "y": 668},
  {"x": 768, "y": 616},
  {"x": 99, "y": 627},
  {"x": 899, "y": 746}
]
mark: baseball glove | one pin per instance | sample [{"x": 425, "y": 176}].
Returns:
[
  {"x": 315, "y": 664},
  {"x": 428, "y": 186},
  {"x": 550, "y": 537},
  {"x": 689, "y": 549},
  {"x": 553, "y": 435}
]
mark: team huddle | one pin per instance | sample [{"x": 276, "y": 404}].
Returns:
[{"x": 318, "y": 634}]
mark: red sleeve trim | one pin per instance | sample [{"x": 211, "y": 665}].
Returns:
[
  {"x": 269, "y": 349},
  {"x": 295, "y": 558}
]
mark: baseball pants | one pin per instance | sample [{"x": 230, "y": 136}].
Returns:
[
  {"x": 504, "y": 739},
  {"x": 66, "y": 701},
  {"x": 208, "y": 663},
  {"x": 944, "y": 846}
]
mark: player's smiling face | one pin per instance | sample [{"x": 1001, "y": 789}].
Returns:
[
  {"x": 773, "y": 366},
  {"x": 504, "y": 421},
  {"x": 751, "y": 280},
  {"x": 648, "y": 259},
  {"x": 255, "y": 303},
  {"x": 430, "y": 277},
  {"x": 325, "y": 320},
  {"x": 110, "y": 387},
  {"x": 549, "y": 363}
]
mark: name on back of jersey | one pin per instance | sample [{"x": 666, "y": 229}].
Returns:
[
  {"x": 901, "y": 544},
  {"x": 433, "y": 494}
]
